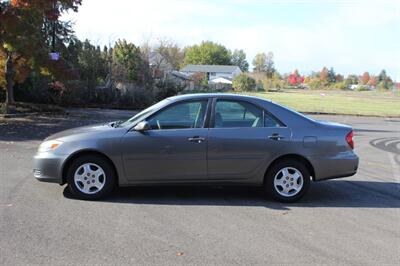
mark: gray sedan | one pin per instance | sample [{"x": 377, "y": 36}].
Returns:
[{"x": 200, "y": 139}]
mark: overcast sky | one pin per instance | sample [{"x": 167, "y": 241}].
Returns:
[{"x": 351, "y": 36}]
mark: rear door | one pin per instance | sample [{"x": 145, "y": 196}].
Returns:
[{"x": 242, "y": 138}]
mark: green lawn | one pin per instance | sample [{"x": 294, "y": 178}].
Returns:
[{"x": 375, "y": 103}]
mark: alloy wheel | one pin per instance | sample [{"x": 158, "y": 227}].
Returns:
[
  {"x": 89, "y": 178},
  {"x": 288, "y": 182}
]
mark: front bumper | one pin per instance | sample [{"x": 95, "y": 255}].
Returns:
[
  {"x": 47, "y": 167},
  {"x": 342, "y": 165}
]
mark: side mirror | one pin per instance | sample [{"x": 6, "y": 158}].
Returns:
[{"x": 142, "y": 126}]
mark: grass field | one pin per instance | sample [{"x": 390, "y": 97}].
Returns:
[{"x": 375, "y": 103}]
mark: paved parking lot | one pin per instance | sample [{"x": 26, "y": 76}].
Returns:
[{"x": 354, "y": 220}]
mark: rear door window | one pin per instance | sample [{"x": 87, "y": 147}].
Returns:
[{"x": 231, "y": 114}]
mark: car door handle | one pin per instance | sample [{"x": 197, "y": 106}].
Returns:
[
  {"x": 276, "y": 137},
  {"x": 196, "y": 139}
]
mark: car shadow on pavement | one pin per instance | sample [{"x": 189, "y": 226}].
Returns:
[{"x": 333, "y": 193}]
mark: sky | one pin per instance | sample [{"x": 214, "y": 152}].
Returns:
[{"x": 350, "y": 36}]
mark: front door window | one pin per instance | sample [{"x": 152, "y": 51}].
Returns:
[{"x": 180, "y": 116}]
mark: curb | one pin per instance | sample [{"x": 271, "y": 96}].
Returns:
[{"x": 33, "y": 113}]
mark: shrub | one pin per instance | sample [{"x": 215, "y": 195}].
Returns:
[
  {"x": 243, "y": 82},
  {"x": 259, "y": 86},
  {"x": 316, "y": 84},
  {"x": 199, "y": 79},
  {"x": 273, "y": 83},
  {"x": 166, "y": 88},
  {"x": 363, "y": 88},
  {"x": 340, "y": 86}
]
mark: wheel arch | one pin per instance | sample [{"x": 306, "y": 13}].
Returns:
[
  {"x": 293, "y": 156},
  {"x": 80, "y": 153}
]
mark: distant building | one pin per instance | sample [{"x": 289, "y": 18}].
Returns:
[
  {"x": 215, "y": 73},
  {"x": 361, "y": 87}
]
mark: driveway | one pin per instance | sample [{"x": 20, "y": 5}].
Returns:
[{"x": 354, "y": 220}]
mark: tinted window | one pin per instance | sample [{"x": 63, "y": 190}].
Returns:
[
  {"x": 269, "y": 121},
  {"x": 139, "y": 117},
  {"x": 237, "y": 114},
  {"x": 181, "y": 115}
]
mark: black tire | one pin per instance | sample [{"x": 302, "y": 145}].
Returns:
[
  {"x": 275, "y": 169},
  {"x": 108, "y": 179}
]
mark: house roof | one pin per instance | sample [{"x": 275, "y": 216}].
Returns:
[
  {"x": 180, "y": 75},
  {"x": 210, "y": 68},
  {"x": 221, "y": 80}
]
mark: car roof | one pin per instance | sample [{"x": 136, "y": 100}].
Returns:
[{"x": 210, "y": 95}]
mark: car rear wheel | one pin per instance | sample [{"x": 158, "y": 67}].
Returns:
[
  {"x": 90, "y": 177},
  {"x": 287, "y": 181}
]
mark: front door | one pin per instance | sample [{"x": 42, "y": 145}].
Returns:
[
  {"x": 174, "y": 148},
  {"x": 242, "y": 140}
]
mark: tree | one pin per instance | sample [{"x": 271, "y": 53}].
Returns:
[
  {"x": 372, "y": 82},
  {"x": 295, "y": 79},
  {"x": 269, "y": 63},
  {"x": 264, "y": 63},
  {"x": 207, "y": 53},
  {"x": 21, "y": 69},
  {"x": 243, "y": 82},
  {"x": 171, "y": 53},
  {"x": 275, "y": 82},
  {"x": 339, "y": 78},
  {"x": 384, "y": 81},
  {"x": 92, "y": 65},
  {"x": 331, "y": 75},
  {"x": 382, "y": 76},
  {"x": 364, "y": 78},
  {"x": 25, "y": 33},
  {"x": 351, "y": 79},
  {"x": 324, "y": 75},
  {"x": 129, "y": 64},
  {"x": 239, "y": 59},
  {"x": 199, "y": 78},
  {"x": 260, "y": 63},
  {"x": 163, "y": 57}
]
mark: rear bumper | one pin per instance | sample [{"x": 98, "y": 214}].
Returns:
[
  {"x": 341, "y": 165},
  {"x": 47, "y": 167}
]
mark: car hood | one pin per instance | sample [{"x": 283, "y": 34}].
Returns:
[{"x": 97, "y": 128}]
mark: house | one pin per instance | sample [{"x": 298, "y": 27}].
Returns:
[{"x": 216, "y": 74}]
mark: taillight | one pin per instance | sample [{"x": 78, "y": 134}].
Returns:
[{"x": 349, "y": 139}]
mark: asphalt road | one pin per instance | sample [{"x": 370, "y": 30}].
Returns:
[{"x": 354, "y": 220}]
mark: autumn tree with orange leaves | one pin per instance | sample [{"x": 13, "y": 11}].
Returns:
[{"x": 29, "y": 30}]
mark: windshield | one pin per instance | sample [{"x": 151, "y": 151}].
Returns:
[{"x": 141, "y": 115}]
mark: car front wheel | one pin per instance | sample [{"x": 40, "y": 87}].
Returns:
[
  {"x": 287, "y": 181},
  {"x": 90, "y": 177}
]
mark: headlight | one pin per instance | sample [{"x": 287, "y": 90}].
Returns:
[{"x": 50, "y": 145}]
